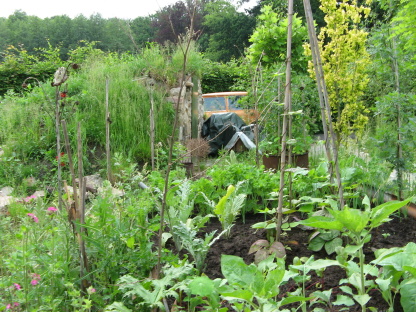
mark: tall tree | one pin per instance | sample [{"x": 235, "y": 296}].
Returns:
[
  {"x": 142, "y": 30},
  {"x": 174, "y": 20},
  {"x": 404, "y": 24},
  {"x": 270, "y": 37},
  {"x": 226, "y": 31},
  {"x": 280, "y": 7}
]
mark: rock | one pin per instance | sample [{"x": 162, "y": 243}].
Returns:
[
  {"x": 94, "y": 182},
  {"x": 115, "y": 192},
  {"x": 38, "y": 194},
  {"x": 6, "y": 191},
  {"x": 4, "y": 202}
]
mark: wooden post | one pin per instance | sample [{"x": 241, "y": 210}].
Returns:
[
  {"x": 194, "y": 108},
  {"x": 285, "y": 119},
  {"x": 399, "y": 123},
  {"x": 58, "y": 146},
  {"x": 79, "y": 155},
  {"x": 152, "y": 127},
  {"x": 81, "y": 213},
  {"x": 72, "y": 170},
  {"x": 107, "y": 133},
  {"x": 83, "y": 253}
]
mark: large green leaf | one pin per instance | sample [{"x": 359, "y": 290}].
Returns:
[
  {"x": 354, "y": 220},
  {"x": 220, "y": 207},
  {"x": 408, "y": 295},
  {"x": 362, "y": 299},
  {"x": 316, "y": 244},
  {"x": 343, "y": 300},
  {"x": 399, "y": 260},
  {"x": 243, "y": 294},
  {"x": 332, "y": 245},
  {"x": 202, "y": 286},
  {"x": 323, "y": 223},
  {"x": 116, "y": 307},
  {"x": 240, "y": 274},
  {"x": 272, "y": 283},
  {"x": 380, "y": 213},
  {"x": 292, "y": 299}
]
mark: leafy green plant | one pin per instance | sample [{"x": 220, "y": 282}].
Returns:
[
  {"x": 299, "y": 272},
  {"x": 204, "y": 291},
  {"x": 398, "y": 275},
  {"x": 229, "y": 207},
  {"x": 197, "y": 247},
  {"x": 205, "y": 187},
  {"x": 356, "y": 225},
  {"x": 258, "y": 183},
  {"x": 395, "y": 123},
  {"x": 152, "y": 291},
  {"x": 270, "y": 223},
  {"x": 180, "y": 204},
  {"x": 329, "y": 240},
  {"x": 254, "y": 287}
]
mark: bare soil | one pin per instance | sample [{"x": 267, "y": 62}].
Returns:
[{"x": 399, "y": 232}]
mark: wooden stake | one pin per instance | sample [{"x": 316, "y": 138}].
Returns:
[
  {"x": 81, "y": 214},
  {"x": 107, "y": 133},
  {"x": 58, "y": 146},
  {"x": 83, "y": 254},
  {"x": 72, "y": 170},
  {"x": 285, "y": 119},
  {"x": 152, "y": 128}
]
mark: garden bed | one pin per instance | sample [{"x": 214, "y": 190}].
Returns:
[{"x": 396, "y": 233}]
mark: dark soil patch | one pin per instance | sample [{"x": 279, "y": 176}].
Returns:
[{"x": 399, "y": 232}]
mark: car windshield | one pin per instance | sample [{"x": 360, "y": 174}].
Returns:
[
  {"x": 214, "y": 104},
  {"x": 233, "y": 102}
]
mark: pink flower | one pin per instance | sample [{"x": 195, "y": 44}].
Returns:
[
  {"x": 34, "y": 218},
  {"x": 29, "y": 198},
  {"x": 17, "y": 286},
  {"x": 34, "y": 282},
  {"x": 36, "y": 276},
  {"x": 91, "y": 290},
  {"x": 52, "y": 209},
  {"x": 9, "y": 306},
  {"x": 16, "y": 304}
]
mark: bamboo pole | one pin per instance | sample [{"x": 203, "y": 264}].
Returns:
[
  {"x": 399, "y": 123},
  {"x": 152, "y": 127},
  {"x": 285, "y": 119},
  {"x": 83, "y": 253},
  {"x": 72, "y": 170},
  {"x": 79, "y": 155},
  {"x": 313, "y": 43},
  {"x": 195, "y": 108},
  {"x": 329, "y": 133},
  {"x": 107, "y": 132},
  {"x": 58, "y": 146},
  {"x": 81, "y": 214}
]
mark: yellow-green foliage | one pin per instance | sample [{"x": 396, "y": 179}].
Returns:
[{"x": 345, "y": 61}]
